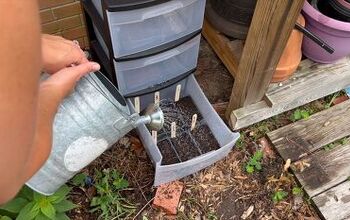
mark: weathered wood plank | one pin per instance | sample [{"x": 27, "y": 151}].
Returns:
[
  {"x": 323, "y": 80},
  {"x": 310, "y": 82},
  {"x": 220, "y": 44},
  {"x": 327, "y": 169},
  {"x": 270, "y": 29},
  {"x": 306, "y": 136},
  {"x": 334, "y": 204}
]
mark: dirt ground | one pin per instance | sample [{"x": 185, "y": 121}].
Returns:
[{"x": 222, "y": 191}]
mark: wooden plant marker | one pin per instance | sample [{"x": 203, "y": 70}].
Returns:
[
  {"x": 137, "y": 104},
  {"x": 173, "y": 130},
  {"x": 194, "y": 121},
  {"x": 154, "y": 136},
  {"x": 177, "y": 92},
  {"x": 156, "y": 97}
]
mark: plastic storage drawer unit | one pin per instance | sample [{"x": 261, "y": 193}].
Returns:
[
  {"x": 152, "y": 28},
  {"x": 224, "y": 136},
  {"x": 139, "y": 74},
  {"x": 101, "y": 40}
]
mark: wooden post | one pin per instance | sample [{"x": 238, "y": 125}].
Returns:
[{"x": 270, "y": 29}]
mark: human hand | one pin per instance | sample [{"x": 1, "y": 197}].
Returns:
[
  {"x": 58, "y": 53},
  {"x": 51, "y": 93}
]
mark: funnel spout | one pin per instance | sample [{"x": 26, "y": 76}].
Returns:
[{"x": 153, "y": 118}]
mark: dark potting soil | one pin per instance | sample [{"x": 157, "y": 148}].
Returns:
[
  {"x": 169, "y": 155},
  {"x": 188, "y": 109},
  {"x": 186, "y": 142},
  {"x": 205, "y": 139},
  {"x": 185, "y": 147}
]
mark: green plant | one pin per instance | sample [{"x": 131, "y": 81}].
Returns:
[
  {"x": 79, "y": 179},
  {"x": 109, "y": 202},
  {"x": 334, "y": 144},
  {"x": 28, "y": 205},
  {"x": 297, "y": 191},
  {"x": 279, "y": 196},
  {"x": 212, "y": 216},
  {"x": 254, "y": 162},
  {"x": 329, "y": 147},
  {"x": 300, "y": 114},
  {"x": 334, "y": 96}
]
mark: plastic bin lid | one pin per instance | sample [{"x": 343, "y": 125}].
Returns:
[{"x": 125, "y": 5}]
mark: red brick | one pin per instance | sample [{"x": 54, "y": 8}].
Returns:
[
  {"x": 340, "y": 99},
  {"x": 46, "y": 16},
  {"x": 75, "y": 33},
  {"x": 50, "y": 28},
  {"x": 67, "y": 10},
  {"x": 68, "y": 23},
  {"x": 168, "y": 196},
  {"x": 53, "y": 3},
  {"x": 86, "y": 41}
]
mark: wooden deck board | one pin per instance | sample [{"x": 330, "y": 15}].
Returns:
[
  {"x": 327, "y": 169},
  {"x": 334, "y": 204},
  {"x": 326, "y": 178},
  {"x": 306, "y": 136},
  {"x": 310, "y": 82}
]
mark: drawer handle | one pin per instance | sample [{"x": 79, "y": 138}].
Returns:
[
  {"x": 162, "y": 10},
  {"x": 162, "y": 57}
]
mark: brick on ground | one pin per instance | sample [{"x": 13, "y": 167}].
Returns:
[{"x": 168, "y": 196}]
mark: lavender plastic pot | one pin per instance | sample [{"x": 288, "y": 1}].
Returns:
[{"x": 335, "y": 33}]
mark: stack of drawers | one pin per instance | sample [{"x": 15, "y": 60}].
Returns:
[
  {"x": 149, "y": 48},
  {"x": 155, "y": 40}
]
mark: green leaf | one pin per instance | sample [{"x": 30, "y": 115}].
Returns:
[
  {"x": 15, "y": 205},
  {"x": 144, "y": 217},
  {"x": 79, "y": 179},
  {"x": 258, "y": 155},
  {"x": 95, "y": 201},
  {"x": 62, "y": 216},
  {"x": 29, "y": 212},
  {"x": 26, "y": 193},
  {"x": 61, "y": 193},
  {"x": 297, "y": 191},
  {"x": 48, "y": 210},
  {"x": 37, "y": 196},
  {"x": 305, "y": 114},
  {"x": 279, "y": 196},
  {"x": 41, "y": 216},
  {"x": 296, "y": 115},
  {"x": 258, "y": 166},
  {"x": 5, "y": 218},
  {"x": 120, "y": 183},
  {"x": 64, "y": 206},
  {"x": 249, "y": 169}
]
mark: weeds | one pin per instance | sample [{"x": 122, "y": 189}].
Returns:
[
  {"x": 334, "y": 96},
  {"x": 297, "y": 191},
  {"x": 334, "y": 144},
  {"x": 254, "y": 163},
  {"x": 109, "y": 202},
  {"x": 300, "y": 114},
  {"x": 279, "y": 196},
  {"x": 79, "y": 180},
  {"x": 28, "y": 205}
]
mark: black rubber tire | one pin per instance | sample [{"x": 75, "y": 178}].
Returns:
[
  {"x": 224, "y": 26},
  {"x": 237, "y": 11}
]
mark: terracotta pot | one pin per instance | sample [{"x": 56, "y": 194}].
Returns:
[{"x": 291, "y": 56}]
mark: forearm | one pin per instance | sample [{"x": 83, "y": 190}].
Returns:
[{"x": 20, "y": 61}]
